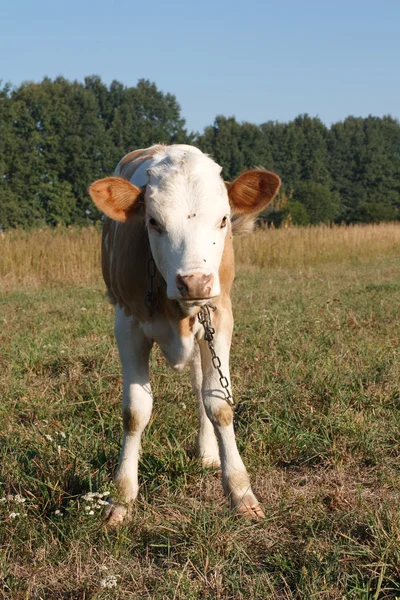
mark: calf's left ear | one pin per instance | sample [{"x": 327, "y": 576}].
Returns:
[
  {"x": 252, "y": 191},
  {"x": 117, "y": 198}
]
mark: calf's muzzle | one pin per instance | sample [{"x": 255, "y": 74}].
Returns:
[{"x": 196, "y": 286}]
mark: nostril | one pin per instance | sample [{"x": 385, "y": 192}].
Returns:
[{"x": 181, "y": 285}]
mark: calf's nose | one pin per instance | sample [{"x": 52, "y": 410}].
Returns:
[{"x": 194, "y": 286}]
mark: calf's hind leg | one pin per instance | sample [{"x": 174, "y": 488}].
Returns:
[{"x": 137, "y": 402}]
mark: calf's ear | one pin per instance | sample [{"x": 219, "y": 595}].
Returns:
[
  {"x": 117, "y": 198},
  {"x": 252, "y": 191}
]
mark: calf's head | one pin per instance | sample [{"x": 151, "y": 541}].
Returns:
[{"x": 186, "y": 207}]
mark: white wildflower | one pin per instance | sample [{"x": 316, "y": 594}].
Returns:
[
  {"x": 19, "y": 499},
  {"x": 13, "y": 515},
  {"x": 91, "y": 512},
  {"x": 109, "y": 582},
  {"x": 3, "y": 499},
  {"x": 58, "y": 513},
  {"x": 96, "y": 498},
  {"x": 102, "y": 502},
  {"x": 88, "y": 497},
  {"x": 87, "y": 507}
]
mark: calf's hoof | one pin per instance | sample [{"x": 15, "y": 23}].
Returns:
[
  {"x": 248, "y": 506},
  {"x": 114, "y": 515},
  {"x": 210, "y": 462}
]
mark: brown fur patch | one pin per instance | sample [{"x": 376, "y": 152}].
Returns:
[
  {"x": 224, "y": 415},
  {"x": 129, "y": 420},
  {"x": 186, "y": 326},
  {"x": 222, "y": 318},
  {"x": 227, "y": 267},
  {"x": 124, "y": 264}
]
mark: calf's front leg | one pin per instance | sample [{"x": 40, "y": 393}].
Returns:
[
  {"x": 137, "y": 402},
  {"x": 235, "y": 479},
  {"x": 206, "y": 442}
]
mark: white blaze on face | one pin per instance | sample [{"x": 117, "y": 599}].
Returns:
[{"x": 187, "y": 208}]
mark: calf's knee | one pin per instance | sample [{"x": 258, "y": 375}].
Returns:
[
  {"x": 130, "y": 420},
  {"x": 220, "y": 415}
]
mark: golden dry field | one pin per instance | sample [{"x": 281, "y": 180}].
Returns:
[{"x": 67, "y": 255}]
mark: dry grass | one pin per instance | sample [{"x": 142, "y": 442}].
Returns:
[
  {"x": 45, "y": 256},
  {"x": 48, "y": 256},
  {"x": 311, "y": 246}
]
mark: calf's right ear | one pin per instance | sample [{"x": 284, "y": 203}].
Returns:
[{"x": 117, "y": 198}]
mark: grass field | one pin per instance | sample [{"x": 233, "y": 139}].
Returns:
[{"x": 316, "y": 371}]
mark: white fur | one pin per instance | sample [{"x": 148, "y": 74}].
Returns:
[
  {"x": 134, "y": 350},
  {"x": 176, "y": 348},
  {"x": 206, "y": 442}
]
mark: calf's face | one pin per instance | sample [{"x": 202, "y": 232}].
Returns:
[
  {"x": 186, "y": 209},
  {"x": 187, "y": 216}
]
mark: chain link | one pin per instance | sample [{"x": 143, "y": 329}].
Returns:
[
  {"x": 204, "y": 317},
  {"x": 151, "y": 298}
]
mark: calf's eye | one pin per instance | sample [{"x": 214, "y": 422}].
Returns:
[
  {"x": 153, "y": 222},
  {"x": 154, "y": 225},
  {"x": 223, "y": 222}
]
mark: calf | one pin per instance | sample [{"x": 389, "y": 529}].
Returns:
[{"x": 166, "y": 254}]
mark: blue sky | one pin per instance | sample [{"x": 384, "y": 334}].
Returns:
[{"x": 256, "y": 60}]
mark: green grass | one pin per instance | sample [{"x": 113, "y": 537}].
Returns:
[{"x": 316, "y": 371}]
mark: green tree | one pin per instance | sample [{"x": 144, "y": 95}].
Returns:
[
  {"x": 299, "y": 150},
  {"x": 58, "y": 136},
  {"x": 297, "y": 213},
  {"x": 321, "y": 204},
  {"x": 365, "y": 163},
  {"x": 144, "y": 116},
  {"x": 376, "y": 212},
  {"x": 221, "y": 141},
  {"x": 9, "y": 208}
]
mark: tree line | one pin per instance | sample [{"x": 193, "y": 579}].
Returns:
[{"x": 57, "y": 136}]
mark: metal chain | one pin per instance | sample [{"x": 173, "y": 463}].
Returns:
[
  {"x": 151, "y": 298},
  {"x": 204, "y": 317}
]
